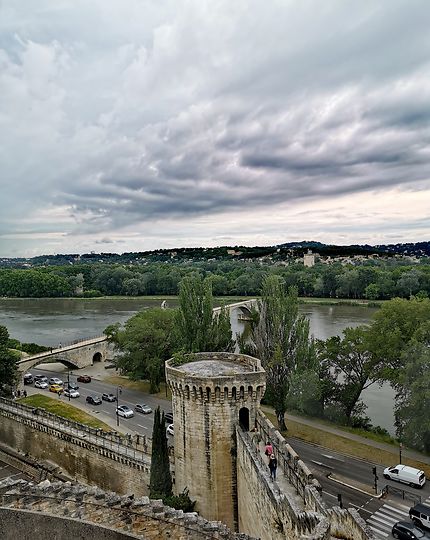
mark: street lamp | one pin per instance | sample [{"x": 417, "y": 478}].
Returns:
[
  {"x": 68, "y": 382},
  {"x": 118, "y": 393},
  {"x": 400, "y": 452}
]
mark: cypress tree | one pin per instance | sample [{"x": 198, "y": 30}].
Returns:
[{"x": 160, "y": 484}]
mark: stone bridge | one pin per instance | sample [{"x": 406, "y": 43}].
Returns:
[
  {"x": 244, "y": 307},
  {"x": 75, "y": 356}
]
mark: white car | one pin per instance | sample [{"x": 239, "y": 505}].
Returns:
[
  {"x": 124, "y": 411},
  {"x": 55, "y": 380},
  {"x": 170, "y": 430},
  {"x": 41, "y": 384},
  {"x": 71, "y": 393}
]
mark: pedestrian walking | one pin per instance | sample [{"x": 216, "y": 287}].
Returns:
[
  {"x": 18, "y": 393},
  {"x": 24, "y": 393},
  {"x": 268, "y": 450},
  {"x": 273, "y": 465}
]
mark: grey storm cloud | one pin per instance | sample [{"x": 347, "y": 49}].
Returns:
[{"x": 119, "y": 113}]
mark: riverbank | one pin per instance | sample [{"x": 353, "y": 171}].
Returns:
[{"x": 218, "y": 300}]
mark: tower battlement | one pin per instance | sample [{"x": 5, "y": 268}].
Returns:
[{"x": 213, "y": 377}]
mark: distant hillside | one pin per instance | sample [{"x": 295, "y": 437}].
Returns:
[
  {"x": 284, "y": 251},
  {"x": 419, "y": 249}
]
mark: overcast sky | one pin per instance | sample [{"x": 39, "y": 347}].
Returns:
[{"x": 128, "y": 125}]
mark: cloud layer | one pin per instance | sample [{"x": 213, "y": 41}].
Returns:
[{"x": 143, "y": 124}]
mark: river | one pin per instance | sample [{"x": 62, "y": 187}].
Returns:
[{"x": 50, "y": 322}]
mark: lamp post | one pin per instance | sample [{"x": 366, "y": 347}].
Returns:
[
  {"x": 400, "y": 452},
  {"x": 68, "y": 382},
  {"x": 118, "y": 393}
]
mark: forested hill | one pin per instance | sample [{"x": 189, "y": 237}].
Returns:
[{"x": 278, "y": 252}]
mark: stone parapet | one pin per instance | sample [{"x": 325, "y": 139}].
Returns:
[{"x": 73, "y": 510}]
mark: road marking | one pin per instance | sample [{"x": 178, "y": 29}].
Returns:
[
  {"x": 333, "y": 457},
  {"x": 361, "y": 508},
  {"x": 382, "y": 521},
  {"x": 322, "y": 464},
  {"x": 144, "y": 427},
  {"x": 331, "y": 494}
]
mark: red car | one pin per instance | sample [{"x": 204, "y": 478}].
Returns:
[{"x": 84, "y": 378}]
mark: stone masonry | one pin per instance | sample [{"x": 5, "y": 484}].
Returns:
[
  {"x": 212, "y": 393},
  {"x": 64, "y": 510}
]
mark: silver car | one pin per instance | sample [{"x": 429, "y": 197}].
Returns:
[{"x": 143, "y": 408}]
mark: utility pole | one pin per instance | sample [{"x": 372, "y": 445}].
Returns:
[
  {"x": 376, "y": 479},
  {"x": 68, "y": 382},
  {"x": 400, "y": 452},
  {"x": 118, "y": 393}
]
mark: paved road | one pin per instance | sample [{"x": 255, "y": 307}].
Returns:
[
  {"x": 382, "y": 521},
  {"x": 140, "y": 423}
]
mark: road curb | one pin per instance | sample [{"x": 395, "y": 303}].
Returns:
[{"x": 355, "y": 488}]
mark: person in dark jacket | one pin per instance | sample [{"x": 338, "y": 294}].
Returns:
[{"x": 273, "y": 465}]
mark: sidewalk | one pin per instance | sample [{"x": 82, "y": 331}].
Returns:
[{"x": 406, "y": 452}]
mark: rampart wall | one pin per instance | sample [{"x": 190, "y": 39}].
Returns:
[
  {"x": 297, "y": 512},
  {"x": 80, "y": 456},
  {"x": 63, "y": 510}
]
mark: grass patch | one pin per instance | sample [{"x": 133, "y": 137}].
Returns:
[
  {"x": 340, "y": 301},
  {"x": 344, "y": 445},
  {"x": 58, "y": 407},
  {"x": 141, "y": 386}
]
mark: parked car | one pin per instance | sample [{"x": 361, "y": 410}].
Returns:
[
  {"x": 168, "y": 417},
  {"x": 405, "y": 530},
  {"x": 406, "y": 475},
  {"x": 71, "y": 386},
  {"x": 93, "y": 400},
  {"x": 56, "y": 388},
  {"x": 170, "y": 430},
  {"x": 83, "y": 378},
  {"x": 143, "y": 408},
  {"x": 70, "y": 392},
  {"x": 108, "y": 397},
  {"x": 125, "y": 411},
  {"x": 41, "y": 378},
  {"x": 41, "y": 384},
  {"x": 55, "y": 380},
  {"x": 28, "y": 378},
  {"x": 420, "y": 515}
]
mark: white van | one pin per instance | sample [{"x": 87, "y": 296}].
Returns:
[{"x": 406, "y": 475}]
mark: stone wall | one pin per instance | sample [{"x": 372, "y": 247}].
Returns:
[
  {"x": 297, "y": 513},
  {"x": 58, "y": 511},
  {"x": 79, "y": 459}
]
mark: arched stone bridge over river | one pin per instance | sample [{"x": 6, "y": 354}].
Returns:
[
  {"x": 75, "y": 356},
  {"x": 98, "y": 349}
]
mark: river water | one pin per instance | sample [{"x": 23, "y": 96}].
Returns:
[{"x": 53, "y": 321}]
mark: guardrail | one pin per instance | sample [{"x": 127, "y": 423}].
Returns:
[{"x": 401, "y": 493}]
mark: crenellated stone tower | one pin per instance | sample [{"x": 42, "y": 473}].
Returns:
[{"x": 212, "y": 393}]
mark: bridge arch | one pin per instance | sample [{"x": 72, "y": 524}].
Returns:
[{"x": 97, "y": 357}]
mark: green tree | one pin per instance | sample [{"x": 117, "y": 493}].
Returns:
[
  {"x": 160, "y": 482},
  {"x": 354, "y": 366},
  {"x": 8, "y": 367},
  {"x": 146, "y": 342},
  {"x": 279, "y": 336},
  {"x": 394, "y": 326},
  {"x": 198, "y": 329},
  {"x": 412, "y": 409}
]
